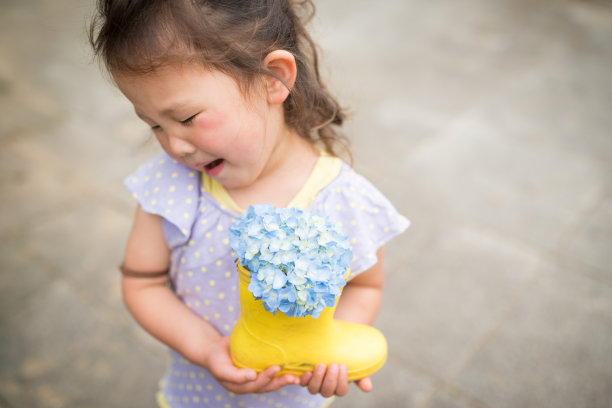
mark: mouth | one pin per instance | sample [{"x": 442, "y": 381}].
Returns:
[{"x": 214, "y": 167}]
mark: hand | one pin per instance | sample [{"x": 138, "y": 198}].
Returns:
[
  {"x": 243, "y": 380},
  {"x": 332, "y": 380}
]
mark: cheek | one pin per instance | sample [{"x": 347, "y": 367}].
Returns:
[
  {"x": 211, "y": 120},
  {"x": 230, "y": 134},
  {"x": 212, "y": 129}
]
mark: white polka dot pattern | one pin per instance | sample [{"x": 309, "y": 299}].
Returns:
[
  {"x": 203, "y": 272},
  {"x": 365, "y": 215}
]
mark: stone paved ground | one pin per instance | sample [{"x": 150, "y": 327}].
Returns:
[{"x": 488, "y": 123}]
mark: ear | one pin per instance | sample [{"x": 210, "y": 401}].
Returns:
[{"x": 282, "y": 64}]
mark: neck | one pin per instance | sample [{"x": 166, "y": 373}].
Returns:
[
  {"x": 291, "y": 162},
  {"x": 291, "y": 152}
]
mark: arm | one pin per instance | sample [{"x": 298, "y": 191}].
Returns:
[
  {"x": 361, "y": 297},
  {"x": 359, "y": 303},
  {"x": 160, "y": 312}
]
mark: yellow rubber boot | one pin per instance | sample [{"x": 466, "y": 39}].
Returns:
[{"x": 261, "y": 339}]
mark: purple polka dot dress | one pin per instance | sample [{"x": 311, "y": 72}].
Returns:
[{"x": 197, "y": 212}]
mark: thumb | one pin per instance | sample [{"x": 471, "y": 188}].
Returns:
[
  {"x": 241, "y": 375},
  {"x": 365, "y": 384},
  {"x": 234, "y": 374}
]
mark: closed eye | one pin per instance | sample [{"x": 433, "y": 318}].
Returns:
[{"x": 188, "y": 121}]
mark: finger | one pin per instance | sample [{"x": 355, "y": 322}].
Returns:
[
  {"x": 365, "y": 384},
  {"x": 235, "y": 375},
  {"x": 279, "y": 382},
  {"x": 265, "y": 377},
  {"x": 262, "y": 379},
  {"x": 343, "y": 384},
  {"x": 223, "y": 369},
  {"x": 270, "y": 381},
  {"x": 314, "y": 386},
  {"x": 305, "y": 378},
  {"x": 330, "y": 382}
]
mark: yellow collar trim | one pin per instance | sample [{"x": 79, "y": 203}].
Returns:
[{"x": 324, "y": 172}]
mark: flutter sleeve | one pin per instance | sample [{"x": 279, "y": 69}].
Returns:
[
  {"x": 171, "y": 190},
  {"x": 365, "y": 215}
]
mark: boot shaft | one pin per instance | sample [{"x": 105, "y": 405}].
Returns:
[
  {"x": 254, "y": 312},
  {"x": 261, "y": 339}
]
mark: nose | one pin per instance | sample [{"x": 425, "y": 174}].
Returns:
[{"x": 179, "y": 146}]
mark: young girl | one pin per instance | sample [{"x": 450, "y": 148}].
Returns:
[{"x": 232, "y": 93}]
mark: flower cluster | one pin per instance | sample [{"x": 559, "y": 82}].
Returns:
[{"x": 297, "y": 261}]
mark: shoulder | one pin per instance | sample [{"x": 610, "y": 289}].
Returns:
[
  {"x": 356, "y": 192},
  {"x": 365, "y": 214},
  {"x": 167, "y": 188},
  {"x": 160, "y": 172}
]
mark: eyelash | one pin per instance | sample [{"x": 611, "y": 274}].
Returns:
[
  {"x": 185, "y": 122},
  {"x": 188, "y": 121}
]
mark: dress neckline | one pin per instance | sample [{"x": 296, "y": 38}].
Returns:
[{"x": 326, "y": 169}]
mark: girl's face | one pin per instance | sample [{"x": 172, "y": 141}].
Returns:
[{"x": 202, "y": 119}]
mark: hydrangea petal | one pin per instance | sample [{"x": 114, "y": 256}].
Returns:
[{"x": 297, "y": 261}]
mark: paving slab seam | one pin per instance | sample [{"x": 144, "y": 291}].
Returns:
[
  {"x": 461, "y": 119},
  {"x": 112, "y": 202},
  {"x": 76, "y": 199},
  {"x": 550, "y": 256},
  {"x": 428, "y": 238},
  {"x": 588, "y": 271},
  {"x": 56, "y": 275},
  {"x": 420, "y": 372},
  {"x": 413, "y": 367},
  {"x": 457, "y": 394},
  {"x": 592, "y": 203},
  {"x": 21, "y": 228},
  {"x": 160, "y": 355},
  {"x": 135, "y": 332},
  {"x": 481, "y": 341},
  {"x": 454, "y": 124},
  {"x": 38, "y": 129},
  {"x": 499, "y": 234},
  {"x": 577, "y": 265},
  {"x": 4, "y": 402},
  {"x": 18, "y": 302},
  {"x": 581, "y": 268},
  {"x": 439, "y": 384}
]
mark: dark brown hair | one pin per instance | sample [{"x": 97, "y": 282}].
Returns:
[{"x": 139, "y": 36}]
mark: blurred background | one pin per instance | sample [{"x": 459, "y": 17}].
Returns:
[{"x": 487, "y": 123}]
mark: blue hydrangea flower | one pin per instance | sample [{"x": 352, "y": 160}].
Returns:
[{"x": 297, "y": 261}]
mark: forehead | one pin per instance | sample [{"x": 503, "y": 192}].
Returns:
[
  {"x": 169, "y": 88},
  {"x": 166, "y": 77}
]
